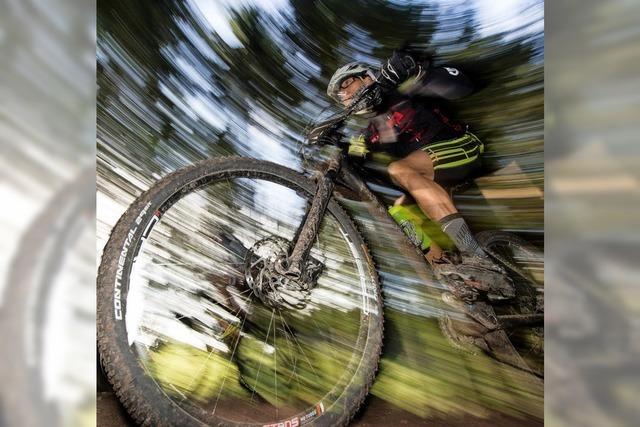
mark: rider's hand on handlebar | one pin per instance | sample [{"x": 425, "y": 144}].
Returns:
[{"x": 367, "y": 98}]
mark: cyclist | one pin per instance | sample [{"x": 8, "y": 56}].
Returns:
[{"x": 407, "y": 122}]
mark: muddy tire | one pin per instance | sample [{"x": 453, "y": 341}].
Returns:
[
  {"x": 133, "y": 383},
  {"x": 525, "y": 264}
]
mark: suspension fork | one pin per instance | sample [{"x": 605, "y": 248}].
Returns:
[{"x": 307, "y": 234}]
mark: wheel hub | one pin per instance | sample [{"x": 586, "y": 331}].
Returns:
[{"x": 266, "y": 275}]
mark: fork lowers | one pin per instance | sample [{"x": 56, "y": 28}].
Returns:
[{"x": 307, "y": 234}]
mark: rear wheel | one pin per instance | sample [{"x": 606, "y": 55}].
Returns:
[
  {"x": 522, "y": 316},
  {"x": 185, "y": 337}
]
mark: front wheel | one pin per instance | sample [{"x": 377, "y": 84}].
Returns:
[{"x": 183, "y": 336}]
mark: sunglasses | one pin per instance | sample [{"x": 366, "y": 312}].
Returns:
[{"x": 346, "y": 83}]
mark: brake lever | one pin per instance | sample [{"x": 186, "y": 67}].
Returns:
[
  {"x": 315, "y": 135},
  {"x": 320, "y": 131}
]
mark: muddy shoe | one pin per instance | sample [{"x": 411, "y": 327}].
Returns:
[
  {"x": 446, "y": 268},
  {"x": 476, "y": 272}
]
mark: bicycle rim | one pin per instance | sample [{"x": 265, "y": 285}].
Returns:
[{"x": 210, "y": 346}]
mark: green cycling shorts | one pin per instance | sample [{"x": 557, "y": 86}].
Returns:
[{"x": 456, "y": 159}]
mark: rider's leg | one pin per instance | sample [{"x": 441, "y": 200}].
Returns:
[
  {"x": 415, "y": 174},
  {"x": 474, "y": 269},
  {"x": 435, "y": 251}
]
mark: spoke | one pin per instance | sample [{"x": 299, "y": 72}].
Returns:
[
  {"x": 204, "y": 363},
  {"x": 337, "y": 341},
  {"x": 202, "y": 366},
  {"x": 228, "y": 311},
  {"x": 275, "y": 360},
  {"x": 332, "y": 339},
  {"x": 256, "y": 263},
  {"x": 229, "y": 186},
  {"x": 235, "y": 313},
  {"x": 242, "y": 293},
  {"x": 235, "y": 347},
  {"x": 295, "y": 371},
  {"x": 227, "y": 263},
  {"x": 263, "y": 346},
  {"x": 299, "y": 346},
  {"x": 318, "y": 326},
  {"x": 291, "y": 349},
  {"x": 178, "y": 391}
]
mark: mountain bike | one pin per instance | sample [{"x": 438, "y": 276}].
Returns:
[{"x": 239, "y": 292}]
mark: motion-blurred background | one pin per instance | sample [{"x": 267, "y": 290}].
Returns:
[{"x": 182, "y": 81}]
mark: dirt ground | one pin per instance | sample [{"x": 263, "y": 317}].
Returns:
[{"x": 376, "y": 412}]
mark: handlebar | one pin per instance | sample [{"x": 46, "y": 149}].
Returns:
[{"x": 322, "y": 132}]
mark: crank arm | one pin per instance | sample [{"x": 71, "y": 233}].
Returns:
[{"x": 514, "y": 320}]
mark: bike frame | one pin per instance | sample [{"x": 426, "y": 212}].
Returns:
[{"x": 338, "y": 167}]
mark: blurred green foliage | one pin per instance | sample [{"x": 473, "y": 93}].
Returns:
[{"x": 158, "y": 64}]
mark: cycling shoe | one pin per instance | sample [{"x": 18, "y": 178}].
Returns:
[{"x": 476, "y": 272}]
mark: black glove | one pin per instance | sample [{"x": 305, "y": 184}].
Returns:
[{"x": 397, "y": 69}]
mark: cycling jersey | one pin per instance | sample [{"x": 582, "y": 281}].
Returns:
[
  {"x": 410, "y": 118},
  {"x": 407, "y": 124}
]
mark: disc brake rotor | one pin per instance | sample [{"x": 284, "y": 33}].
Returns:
[{"x": 265, "y": 265}]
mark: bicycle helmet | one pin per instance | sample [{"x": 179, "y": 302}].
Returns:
[{"x": 351, "y": 69}]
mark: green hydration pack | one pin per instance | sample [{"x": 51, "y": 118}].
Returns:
[{"x": 420, "y": 229}]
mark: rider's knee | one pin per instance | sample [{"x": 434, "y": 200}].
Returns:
[
  {"x": 402, "y": 174},
  {"x": 399, "y": 172},
  {"x": 394, "y": 168}
]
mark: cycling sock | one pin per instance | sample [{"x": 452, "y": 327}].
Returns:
[{"x": 456, "y": 227}]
